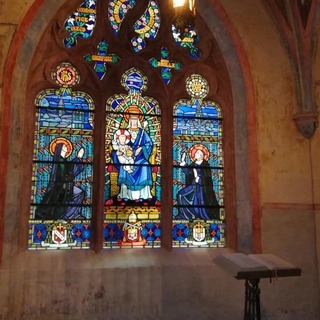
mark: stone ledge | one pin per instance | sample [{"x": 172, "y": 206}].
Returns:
[{"x": 114, "y": 258}]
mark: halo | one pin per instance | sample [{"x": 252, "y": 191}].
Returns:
[
  {"x": 56, "y": 141},
  {"x": 124, "y": 132},
  {"x": 133, "y": 110},
  {"x": 197, "y": 147}
]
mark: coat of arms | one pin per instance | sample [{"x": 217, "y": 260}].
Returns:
[{"x": 199, "y": 234}]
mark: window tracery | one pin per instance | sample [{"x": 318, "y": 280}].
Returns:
[{"x": 116, "y": 140}]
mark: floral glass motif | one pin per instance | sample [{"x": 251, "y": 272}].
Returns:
[
  {"x": 81, "y": 23},
  {"x": 117, "y": 10},
  {"x": 198, "y": 169},
  {"x": 101, "y": 59},
  {"x": 61, "y": 193},
  {"x": 165, "y": 64},
  {"x": 187, "y": 38},
  {"x": 132, "y": 177},
  {"x": 147, "y": 26}
]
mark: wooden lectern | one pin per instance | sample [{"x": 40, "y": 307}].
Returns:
[{"x": 252, "y": 268}]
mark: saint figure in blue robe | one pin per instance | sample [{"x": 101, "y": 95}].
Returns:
[
  {"x": 136, "y": 185},
  {"x": 197, "y": 199}
]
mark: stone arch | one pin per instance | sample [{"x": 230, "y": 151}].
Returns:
[
  {"x": 12, "y": 151},
  {"x": 247, "y": 199}
]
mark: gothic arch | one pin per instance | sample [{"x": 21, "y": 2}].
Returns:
[{"x": 19, "y": 59}]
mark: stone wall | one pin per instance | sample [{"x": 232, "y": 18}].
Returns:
[{"x": 157, "y": 284}]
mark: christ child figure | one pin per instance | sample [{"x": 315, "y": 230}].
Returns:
[{"x": 120, "y": 144}]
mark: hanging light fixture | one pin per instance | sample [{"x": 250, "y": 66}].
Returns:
[{"x": 184, "y": 13}]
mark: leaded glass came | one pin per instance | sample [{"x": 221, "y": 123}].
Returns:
[
  {"x": 61, "y": 196},
  {"x": 198, "y": 211},
  {"x": 132, "y": 177},
  {"x": 128, "y": 148}
]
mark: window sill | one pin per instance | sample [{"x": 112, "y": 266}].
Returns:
[{"x": 112, "y": 259}]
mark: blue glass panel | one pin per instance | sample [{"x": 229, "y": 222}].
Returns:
[
  {"x": 188, "y": 38},
  {"x": 165, "y": 64},
  {"x": 198, "y": 234},
  {"x": 61, "y": 192},
  {"x": 133, "y": 158},
  {"x": 198, "y": 186},
  {"x": 101, "y": 58}
]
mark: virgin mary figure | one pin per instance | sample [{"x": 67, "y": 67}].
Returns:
[{"x": 135, "y": 185}]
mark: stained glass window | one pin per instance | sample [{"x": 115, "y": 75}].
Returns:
[
  {"x": 132, "y": 178},
  {"x": 198, "y": 171},
  {"x": 187, "y": 38},
  {"x": 128, "y": 138},
  {"x": 117, "y": 10},
  {"x": 60, "y": 214},
  {"x": 101, "y": 59},
  {"x": 147, "y": 26},
  {"x": 81, "y": 23},
  {"x": 165, "y": 64}
]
